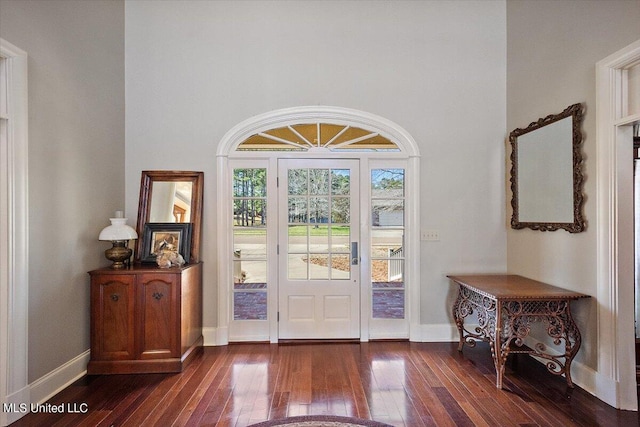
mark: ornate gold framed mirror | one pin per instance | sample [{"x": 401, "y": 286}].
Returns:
[
  {"x": 171, "y": 197},
  {"x": 546, "y": 173}
]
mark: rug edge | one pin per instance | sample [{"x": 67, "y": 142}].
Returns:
[{"x": 302, "y": 418}]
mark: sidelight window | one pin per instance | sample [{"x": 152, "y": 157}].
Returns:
[
  {"x": 250, "y": 244},
  {"x": 387, "y": 243}
]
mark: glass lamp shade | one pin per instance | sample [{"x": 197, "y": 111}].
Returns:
[
  {"x": 118, "y": 233},
  {"x": 118, "y": 230}
]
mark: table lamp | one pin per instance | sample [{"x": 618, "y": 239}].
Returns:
[{"x": 119, "y": 233}]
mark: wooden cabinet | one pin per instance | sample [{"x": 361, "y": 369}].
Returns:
[{"x": 145, "y": 319}]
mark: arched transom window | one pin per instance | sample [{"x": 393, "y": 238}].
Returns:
[{"x": 316, "y": 136}]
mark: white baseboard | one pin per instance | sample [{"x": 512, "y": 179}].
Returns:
[
  {"x": 14, "y": 400},
  {"x": 52, "y": 383},
  {"x": 215, "y": 336},
  {"x": 44, "y": 388},
  {"x": 439, "y": 332},
  {"x": 608, "y": 390}
]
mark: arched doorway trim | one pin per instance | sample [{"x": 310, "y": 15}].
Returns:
[{"x": 226, "y": 153}]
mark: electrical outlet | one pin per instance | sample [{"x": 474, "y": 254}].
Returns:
[{"x": 430, "y": 235}]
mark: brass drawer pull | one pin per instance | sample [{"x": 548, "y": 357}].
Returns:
[
  {"x": 115, "y": 297},
  {"x": 157, "y": 295}
]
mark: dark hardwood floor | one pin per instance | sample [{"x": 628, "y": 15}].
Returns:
[{"x": 399, "y": 383}]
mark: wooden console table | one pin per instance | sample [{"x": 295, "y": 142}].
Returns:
[{"x": 506, "y": 306}]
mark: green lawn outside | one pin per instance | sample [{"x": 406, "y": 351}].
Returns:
[{"x": 296, "y": 230}]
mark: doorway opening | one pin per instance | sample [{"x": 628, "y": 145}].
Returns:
[
  {"x": 321, "y": 201},
  {"x": 617, "y": 110}
]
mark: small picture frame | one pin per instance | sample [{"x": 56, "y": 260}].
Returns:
[{"x": 165, "y": 236}]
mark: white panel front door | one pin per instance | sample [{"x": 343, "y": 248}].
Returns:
[{"x": 319, "y": 271}]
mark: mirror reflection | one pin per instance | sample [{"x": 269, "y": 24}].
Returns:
[{"x": 171, "y": 202}]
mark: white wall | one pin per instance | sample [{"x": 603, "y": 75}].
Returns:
[
  {"x": 196, "y": 69},
  {"x": 76, "y": 161},
  {"x": 552, "y": 51}
]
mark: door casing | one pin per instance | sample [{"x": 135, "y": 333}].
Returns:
[{"x": 227, "y": 158}]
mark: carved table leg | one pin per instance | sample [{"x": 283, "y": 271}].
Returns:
[
  {"x": 572, "y": 340},
  {"x": 497, "y": 351},
  {"x": 458, "y": 318}
]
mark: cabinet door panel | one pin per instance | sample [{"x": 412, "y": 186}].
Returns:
[
  {"x": 159, "y": 316},
  {"x": 114, "y": 338}
]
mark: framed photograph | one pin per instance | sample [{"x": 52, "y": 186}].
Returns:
[{"x": 163, "y": 236}]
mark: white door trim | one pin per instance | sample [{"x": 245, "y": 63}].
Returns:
[
  {"x": 274, "y": 119},
  {"x": 615, "y": 382},
  {"x": 14, "y": 283}
]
